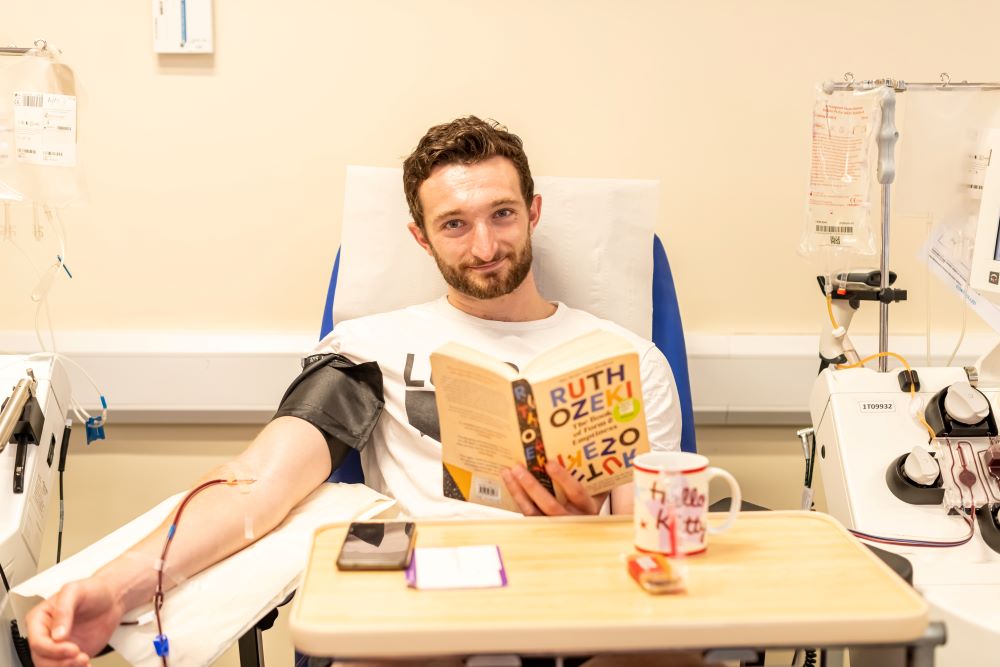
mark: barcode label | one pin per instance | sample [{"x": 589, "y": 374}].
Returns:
[
  {"x": 31, "y": 99},
  {"x": 834, "y": 229},
  {"x": 487, "y": 490},
  {"x": 45, "y": 128},
  {"x": 484, "y": 488}
]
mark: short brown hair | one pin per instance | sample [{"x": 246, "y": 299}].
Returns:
[{"x": 462, "y": 141}]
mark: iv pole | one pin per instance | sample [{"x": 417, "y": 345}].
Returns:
[
  {"x": 40, "y": 45},
  {"x": 886, "y": 138}
]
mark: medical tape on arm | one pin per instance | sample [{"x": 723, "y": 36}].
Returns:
[{"x": 241, "y": 478}]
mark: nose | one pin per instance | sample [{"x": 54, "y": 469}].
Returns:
[{"x": 484, "y": 242}]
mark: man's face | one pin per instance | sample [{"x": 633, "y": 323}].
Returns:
[{"x": 477, "y": 226}]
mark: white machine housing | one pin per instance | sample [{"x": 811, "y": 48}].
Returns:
[
  {"x": 864, "y": 422},
  {"x": 22, "y": 515}
]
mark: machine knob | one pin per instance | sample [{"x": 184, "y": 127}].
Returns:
[
  {"x": 920, "y": 467},
  {"x": 965, "y": 404}
]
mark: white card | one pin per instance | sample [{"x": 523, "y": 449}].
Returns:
[{"x": 477, "y": 566}]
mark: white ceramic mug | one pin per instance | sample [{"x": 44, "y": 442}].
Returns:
[{"x": 671, "y": 502}]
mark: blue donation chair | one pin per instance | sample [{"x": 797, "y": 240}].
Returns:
[{"x": 594, "y": 227}]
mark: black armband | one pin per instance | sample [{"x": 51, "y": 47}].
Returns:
[{"x": 340, "y": 398}]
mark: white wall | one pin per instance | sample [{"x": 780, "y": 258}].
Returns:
[{"x": 216, "y": 181}]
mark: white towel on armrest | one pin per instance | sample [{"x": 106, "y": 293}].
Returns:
[{"x": 204, "y": 615}]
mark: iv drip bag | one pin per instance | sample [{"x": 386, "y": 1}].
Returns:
[
  {"x": 39, "y": 161},
  {"x": 840, "y": 176}
]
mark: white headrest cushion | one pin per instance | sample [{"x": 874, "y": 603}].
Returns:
[{"x": 593, "y": 248}]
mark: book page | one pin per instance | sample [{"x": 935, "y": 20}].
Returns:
[
  {"x": 596, "y": 344},
  {"x": 478, "y": 429},
  {"x": 593, "y": 421}
]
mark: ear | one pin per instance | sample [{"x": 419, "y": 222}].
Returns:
[
  {"x": 534, "y": 211},
  {"x": 420, "y": 237}
]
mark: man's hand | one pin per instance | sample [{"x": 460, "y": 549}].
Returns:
[
  {"x": 533, "y": 499},
  {"x": 74, "y": 624}
]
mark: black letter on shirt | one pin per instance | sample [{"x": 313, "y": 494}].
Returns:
[{"x": 407, "y": 369}]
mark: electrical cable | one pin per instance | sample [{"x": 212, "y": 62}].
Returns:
[
  {"x": 3, "y": 577},
  {"x": 21, "y": 646},
  {"x": 20, "y": 643},
  {"x": 61, "y": 509},
  {"x": 63, "y": 453}
]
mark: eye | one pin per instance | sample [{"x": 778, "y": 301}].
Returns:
[
  {"x": 452, "y": 224},
  {"x": 504, "y": 213}
]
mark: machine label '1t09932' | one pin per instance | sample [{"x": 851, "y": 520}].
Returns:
[{"x": 877, "y": 406}]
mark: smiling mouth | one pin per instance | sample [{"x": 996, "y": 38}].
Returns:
[{"x": 495, "y": 264}]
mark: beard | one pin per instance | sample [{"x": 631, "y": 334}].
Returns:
[{"x": 489, "y": 285}]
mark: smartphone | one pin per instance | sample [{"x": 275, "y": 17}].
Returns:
[{"x": 377, "y": 545}]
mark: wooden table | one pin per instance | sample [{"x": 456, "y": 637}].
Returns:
[{"x": 776, "y": 579}]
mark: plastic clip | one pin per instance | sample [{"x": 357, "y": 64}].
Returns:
[
  {"x": 162, "y": 645},
  {"x": 95, "y": 429}
]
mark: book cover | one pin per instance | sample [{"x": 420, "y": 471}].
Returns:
[{"x": 579, "y": 404}]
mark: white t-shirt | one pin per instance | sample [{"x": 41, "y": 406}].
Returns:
[{"x": 403, "y": 459}]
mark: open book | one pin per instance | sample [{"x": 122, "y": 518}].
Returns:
[{"x": 579, "y": 404}]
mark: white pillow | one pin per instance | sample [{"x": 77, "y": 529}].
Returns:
[{"x": 593, "y": 247}]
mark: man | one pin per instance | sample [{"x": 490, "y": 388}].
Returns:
[{"x": 474, "y": 210}]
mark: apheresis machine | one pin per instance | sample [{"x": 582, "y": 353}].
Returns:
[
  {"x": 910, "y": 457},
  {"x": 34, "y": 435}
]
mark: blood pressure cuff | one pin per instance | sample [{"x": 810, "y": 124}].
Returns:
[{"x": 340, "y": 398}]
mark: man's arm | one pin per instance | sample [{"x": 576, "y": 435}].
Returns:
[{"x": 288, "y": 460}]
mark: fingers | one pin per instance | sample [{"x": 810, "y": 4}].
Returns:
[
  {"x": 64, "y": 608},
  {"x": 532, "y": 498},
  {"x": 49, "y": 627},
  {"x": 530, "y": 495},
  {"x": 517, "y": 492},
  {"x": 572, "y": 489},
  {"x": 44, "y": 646}
]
